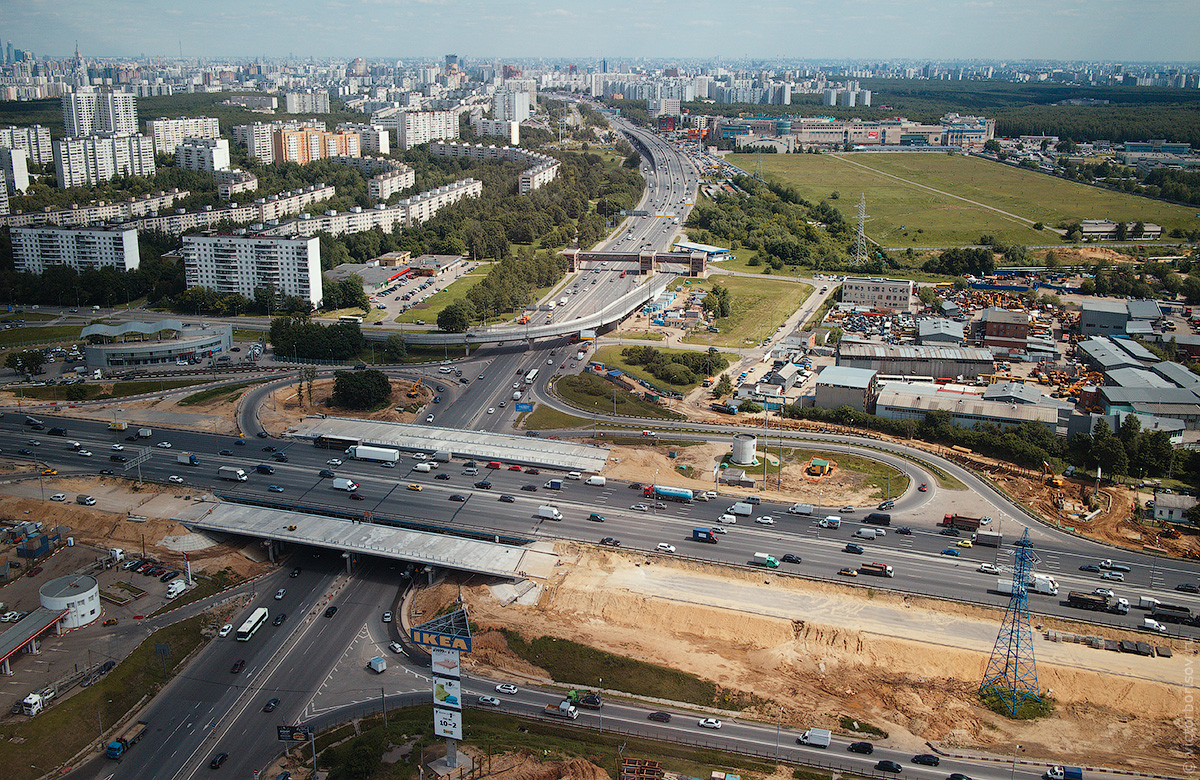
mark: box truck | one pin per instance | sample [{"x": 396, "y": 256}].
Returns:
[
  {"x": 231, "y": 473},
  {"x": 549, "y": 513},
  {"x": 800, "y": 509},
  {"x": 186, "y": 459},
  {"x": 742, "y": 509},
  {"x": 595, "y": 480},
  {"x": 375, "y": 454},
  {"x": 876, "y": 570},
  {"x": 706, "y": 535},
  {"x": 347, "y": 485},
  {"x": 763, "y": 559},
  {"x": 816, "y": 738}
]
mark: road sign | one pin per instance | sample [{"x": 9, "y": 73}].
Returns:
[
  {"x": 294, "y": 733},
  {"x": 523, "y": 406}
]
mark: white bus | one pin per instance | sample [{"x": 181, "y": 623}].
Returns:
[
  {"x": 531, "y": 376},
  {"x": 252, "y": 624},
  {"x": 350, "y": 318}
]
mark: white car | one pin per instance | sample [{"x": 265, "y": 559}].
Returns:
[
  {"x": 718, "y": 529},
  {"x": 279, "y": 594},
  {"x": 1104, "y": 592},
  {"x": 640, "y": 508},
  {"x": 166, "y": 445},
  {"x": 507, "y": 688},
  {"x": 664, "y": 547},
  {"x": 419, "y": 456},
  {"x": 429, "y": 418},
  {"x": 175, "y": 479},
  {"x": 516, "y": 385},
  {"x": 489, "y": 701},
  {"x": 1116, "y": 576},
  {"x": 225, "y": 629},
  {"x": 59, "y": 497},
  {"x": 988, "y": 568},
  {"x": 387, "y": 464},
  {"x": 118, "y": 447},
  {"x": 709, "y": 723},
  {"x": 85, "y": 453},
  {"x": 765, "y": 520},
  {"x": 333, "y": 462},
  {"x": 491, "y": 410},
  {"x": 986, "y": 521}
]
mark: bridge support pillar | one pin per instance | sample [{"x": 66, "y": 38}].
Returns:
[{"x": 33, "y": 648}]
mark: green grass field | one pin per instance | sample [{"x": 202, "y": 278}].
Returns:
[
  {"x": 903, "y": 212},
  {"x": 759, "y": 306},
  {"x": 28, "y": 316},
  {"x": 611, "y": 357},
  {"x": 430, "y": 310},
  {"x": 47, "y": 334},
  {"x": 544, "y": 418},
  {"x": 589, "y": 392},
  {"x": 120, "y": 389}
]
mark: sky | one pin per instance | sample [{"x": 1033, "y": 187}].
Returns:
[{"x": 1108, "y": 30}]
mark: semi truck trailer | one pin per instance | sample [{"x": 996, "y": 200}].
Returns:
[{"x": 374, "y": 454}]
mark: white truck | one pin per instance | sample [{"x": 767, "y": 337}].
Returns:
[
  {"x": 816, "y": 738},
  {"x": 423, "y": 467},
  {"x": 144, "y": 433},
  {"x": 378, "y": 664},
  {"x": 742, "y": 509},
  {"x": 800, "y": 509},
  {"x": 175, "y": 588},
  {"x": 347, "y": 485},
  {"x": 595, "y": 480},
  {"x": 833, "y": 521},
  {"x": 1150, "y": 624},
  {"x": 231, "y": 473},
  {"x": 374, "y": 454},
  {"x": 549, "y": 512},
  {"x": 763, "y": 559},
  {"x": 1038, "y": 583},
  {"x": 517, "y": 395}
]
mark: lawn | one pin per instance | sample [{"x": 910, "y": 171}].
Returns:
[
  {"x": 224, "y": 393},
  {"x": 590, "y": 392},
  {"x": 28, "y": 316},
  {"x": 611, "y": 357},
  {"x": 430, "y": 310},
  {"x": 758, "y": 307},
  {"x": 901, "y": 212},
  {"x": 119, "y": 390},
  {"x": 47, "y": 334},
  {"x": 242, "y": 335},
  {"x": 545, "y": 418}
]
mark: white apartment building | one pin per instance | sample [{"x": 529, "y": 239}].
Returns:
[
  {"x": 371, "y": 138},
  {"x": 35, "y": 140},
  {"x": 13, "y": 162},
  {"x": 307, "y": 102},
  {"x": 420, "y": 127},
  {"x": 542, "y": 167},
  {"x": 509, "y": 131},
  {"x": 204, "y": 155},
  {"x": 81, "y": 248},
  {"x": 259, "y": 137},
  {"x": 3, "y": 196},
  {"x": 882, "y": 294},
  {"x": 87, "y": 111},
  {"x": 245, "y": 262},
  {"x": 169, "y": 133},
  {"x": 511, "y": 106},
  {"x": 232, "y": 182},
  {"x": 91, "y": 160}
]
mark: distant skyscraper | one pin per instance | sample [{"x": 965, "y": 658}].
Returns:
[
  {"x": 451, "y": 62},
  {"x": 604, "y": 66},
  {"x": 8, "y": 55}
]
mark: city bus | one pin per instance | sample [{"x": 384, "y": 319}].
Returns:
[
  {"x": 252, "y": 624},
  {"x": 531, "y": 376},
  {"x": 350, "y": 318}
]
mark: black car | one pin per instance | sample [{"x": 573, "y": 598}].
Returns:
[
  {"x": 1022, "y": 543},
  {"x": 226, "y": 453},
  {"x": 903, "y": 531},
  {"x": 262, "y": 434},
  {"x": 853, "y": 548},
  {"x": 442, "y": 476},
  {"x": 470, "y": 464},
  {"x": 107, "y": 472},
  {"x": 661, "y": 717},
  {"x": 269, "y": 448},
  {"x": 928, "y": 759},
  {"x": 949, "y": 532},
  {"x": 866, "y": 748},
  {"x": 789, "y": 558},
  {"x": 441, "y": 389},
  {"x": 483, "y": 484},
  {"x": 457, "y": 497},
  {"x": 117, "y": 458},
  {"x": 635, "y": 485},
  {"x": 240, "y": 443},
  {"x": 958, "y": 776},
  {"x": 608, "y": 541},
  {"x": 889, "y": 766},
  {"x": 131, "y": 438},
  {"x": 295, "y": 572},
  {"x": 237, "y": 667},
  {"x": 1187, "y": 587},
  {"x": 218, "y": 759},
  {"x": 357, "y": 497},
  {"x": 279, "y": 457},
  {"x": 270, "y": 705},
  {"x": 1093, "y": 568},
  {"x": 24, "y": 451},
  {"x": 278, "y": 621},
  {"x": 330, "y": 611},
  {"x": 529, "y": 488},
  {"x": 107, "y": 667},
  {"x": 325, "y": 474},
  {"x": 507, "y": 499}
]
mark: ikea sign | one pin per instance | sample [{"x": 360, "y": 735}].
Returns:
[{"x": 447, "y": 641}]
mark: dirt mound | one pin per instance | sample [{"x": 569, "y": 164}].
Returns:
[
  {"x": 524, "y": 766},
  {"x": 284, "y": 408}
]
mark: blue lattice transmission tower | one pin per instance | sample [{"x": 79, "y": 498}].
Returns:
[{"x": 1012, "y": 671}]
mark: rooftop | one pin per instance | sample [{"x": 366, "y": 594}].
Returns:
[{"x": 845, "y": 376}]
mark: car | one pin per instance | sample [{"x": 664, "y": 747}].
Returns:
[
  {"x": 507, "y": 499},
  {"x": 596, "y": 517},
  {"x": 1090, "y": 567},
  {"x": 765, "y": 520},
  {"x": 278, "y": 621},
  {"x": 846, "y": 510},
  {"x": 295, "y": 573},
  {"x": 904, "y": 531},
  {"x": 865, "y": 748},
  {"x": 458, "y": 497},
  {"x": 387, "y": 464},
  {"x": 514, "y": 467},
  {"x": 1187, "y": 587},
  {"x": 237, "y": 667},
  {"x": 166, "y": 445},
  {"x": 958, "y": 776},
  {"x": 269, "y": 448},
  {"x": 414, "y": 486},
  {"x": 988, "y": 568},
  {"x": 846, "y": 571},
  {"x": 709, "y": 723},
  {"x": 357, "y": 497},
  {"x": 664, "y": 547},
  {"x": 888, "y": 766},
  {"x": 966, "y": 544},
  {"x": 274, "y": 488},
  {"x": 609, "y": 541},
  {"x": 63, "y": 497},
  {"x": 950, "y": 532},
  {"x": 533, "y": 472},
  {"x": 856, "y": 549},
  {"x": 507, "y": 688},
  {"x": 24, "y": 451},
  {"x": 131, "y": 438},
  {"x": 443, "y": 477},
  {"x": 218, "y": 759},
  {"x": 922, "y": 488},
  {"x": 529, "y": 488},
  {"x": 240, "y": 443},
  {"x": 440, "y": 389},
  {"x": 175, "y": 479},
  {"x": 489, "y": 701},
  {"x": 640, "y": 508},
  {"x": 491, "y": 410},
  {"x": 429, "y": 418},
  {"x": 1104, "y": 592},
  {"x": 279, "y": 594},
  {"x": 1115, "y": 576},
  {"x": 985, "y": 521},
  {"x": 226, "y": 453},
  {"x": 333, "y": 462},
  {"x": 270, "y": 705},
  {"x": 953, "y": 553},
  {"x": 84, "y": 453},
  {"x": 1022, "y": 543},
  {"x": 886, "y": 505},
  {"x": 483, "y": 484},
  {"x": 331, "y": 611},
  {"x": 635, "y": 486},
  {"x": 107, "y": 472},
  {"x": 168, "y": 577},
  {"x": 262, "y": 434},
  {"x": 325, "y": 474},
  {"x": 660, "y": 717},
  {"x": 719, "y": 529},
  {"x": 928, "y": 759},
  {"x": 279, "y": 457},
  {"x": 118, "y": 447}
]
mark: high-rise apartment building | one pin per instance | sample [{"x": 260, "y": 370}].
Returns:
[
  {"x": 16, "y": 172},
  {"x": 259, "y": 137},
  {"x": 35, "y": 140},
  {"x": 88, "y": 161},
  {"x": 305, "y": 145},
  {"x": 169, "y": 133},
  {"x": 371, "y": 138},
  {"x": 246, "y": 262},
  {"x": 81, "y": 248},
  {"x": 511, "y": 106},
  {"x": 420, "y": 127},
  {"x": 307, "y": 102},
  {"x": 204, "y": 155},
  {"x": 87, "y": 111}
]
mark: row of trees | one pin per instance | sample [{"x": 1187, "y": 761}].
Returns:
[
  {"x": 300, "y": 337},
  {"x": 360, "y": 389},
  {"x": 681, "y": 368}
]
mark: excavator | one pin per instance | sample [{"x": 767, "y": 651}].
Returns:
[
  {"x": 415, "y": 390},
  {"x": 1051, "y": 478}
]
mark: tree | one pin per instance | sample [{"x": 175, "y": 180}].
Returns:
[
  {"x": 724, "y": 387},
  {"x": 360, "y": 389},
  {"x": 991, "y": 145},
  {"x": 456, "y": 317},
  {"x": 27, "y": 361},
  {"x": 394, "y": 348},
  {"x": 633, "y": 160}
]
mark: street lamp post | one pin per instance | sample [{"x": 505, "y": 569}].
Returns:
[{"x": 600, "y": 712}]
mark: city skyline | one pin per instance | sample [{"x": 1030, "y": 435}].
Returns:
[{"x": 1071, "y": 30}]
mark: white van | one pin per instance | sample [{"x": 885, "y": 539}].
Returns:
[
  {"x": 596, "y": 480},
  {"x": 864, "y": 533},
  {"x": 423, "y": 467},
  {"x": 549, "y": 513},
  {"x": 175, "y": 588},
  {"x": 574, "y": 475}
]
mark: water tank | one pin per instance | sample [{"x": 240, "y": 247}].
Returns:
[{"x": 744, "y": 446}]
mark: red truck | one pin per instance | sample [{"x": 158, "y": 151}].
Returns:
[{"x": 962, "y": 522}]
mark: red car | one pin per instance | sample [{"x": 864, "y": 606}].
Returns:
[
  {"x": 514, "y": 467},
  {"x": 532, "y": 471},
  {"x": 923, "y": 487}
]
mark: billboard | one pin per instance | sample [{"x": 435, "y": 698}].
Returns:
[
  {"x": 524, "y": 407},
  {"x": 447, "y": 692},
  {"x": 435, "y": 639},
  {"x": 293, "y": 733},
  {"x": 446, "y": 662},
  {"x": 447, "y": 723}
]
